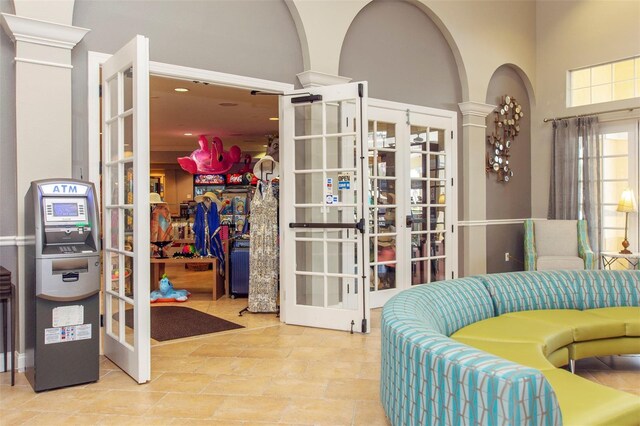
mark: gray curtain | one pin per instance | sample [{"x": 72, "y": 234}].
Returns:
[
  {"x": 589, "y": 136},
  {"x": 572, "y": 180}
]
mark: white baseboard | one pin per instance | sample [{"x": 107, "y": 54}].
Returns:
[{"x": 20, "y": 364}]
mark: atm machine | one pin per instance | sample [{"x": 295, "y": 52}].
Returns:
[{"x": 62, "y": 274}]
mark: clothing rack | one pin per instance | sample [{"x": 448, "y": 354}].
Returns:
[{"x": 590, "y": 114}]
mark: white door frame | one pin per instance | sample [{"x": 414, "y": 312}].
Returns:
[
  {"x": 403, "y": 257},
  {"x": 94, "y": 64}
]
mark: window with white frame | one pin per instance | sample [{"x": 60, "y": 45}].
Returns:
[
  {"x": 620, "y": 161},
  {"x": 613, "y": 81}
]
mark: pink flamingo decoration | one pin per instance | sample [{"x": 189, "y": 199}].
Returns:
[{"x": 207, "y": 160}]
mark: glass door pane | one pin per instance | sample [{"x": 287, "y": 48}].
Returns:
[
  {"x": 428, "y": 201},
  {"x": 383, "y": 205}
]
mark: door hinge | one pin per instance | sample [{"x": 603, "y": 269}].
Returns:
[
  {"x": 452, "y": 275},
  {"x": 452, "y": 229},
  {"x": 101, "y": 320},
  {"x": 360, "y": 90},
  {"x": 100, "y": 90},
  {"x": 451, "y": 181},
  {"x": 100, "y": 168},
  {"x": 452, "y": 134}
]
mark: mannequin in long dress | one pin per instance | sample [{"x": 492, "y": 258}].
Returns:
[
  {"x": 264, "y": 256},
  {"x": 206, "y": 228}
]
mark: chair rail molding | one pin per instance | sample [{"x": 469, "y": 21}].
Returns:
[
  {"x": 316, "y": 79},
  {"x": 491, "y": 222}
]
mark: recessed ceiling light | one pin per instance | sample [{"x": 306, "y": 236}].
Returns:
[
  {"x": 181, "y": 89},
  {"x": 188, "y": 134},
  {"x": 227, "y": 104},
  {"x": 273, "y": 119}
]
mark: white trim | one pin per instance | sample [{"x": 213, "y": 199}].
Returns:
[
  {"x": 95, "y": 61},
  {"x": 51, "y": 64},
  {"x": 45, "y": 33},
  {"x": 14, "y": 240},
  {"x": 476, "y": 109},
  {"x": 20, "y": 363},
  {"x": 317, "y": 79},
  {"x": 490, "y": 222},
  {"x": 397, "y": 106},
  {"x": 481, "y": 126}
]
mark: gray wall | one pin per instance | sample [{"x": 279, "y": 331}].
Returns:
[
  {"x": 510, "y": 200},
  {"x": 250, "y": 37},
  {"x": 403, "y": 56},
  {"x": 8, "y": 254}
]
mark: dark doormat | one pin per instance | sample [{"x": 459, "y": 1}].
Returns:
[{"x": 176, "y": 322}]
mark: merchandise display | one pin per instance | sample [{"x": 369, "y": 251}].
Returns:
[
  {"x": 206, "y": 229},
  {"x": 166, "y": 292}
]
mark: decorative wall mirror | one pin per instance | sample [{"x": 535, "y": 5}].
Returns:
[{"x": 506, "y": 127}]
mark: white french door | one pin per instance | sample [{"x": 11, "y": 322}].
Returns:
[
  {"x": 125, "y": 208},
  {"x": 412, "y": 209},
  {"x": 324, "y": 253}
]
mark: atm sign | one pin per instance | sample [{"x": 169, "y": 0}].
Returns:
[{"x": 64, "y": 188}]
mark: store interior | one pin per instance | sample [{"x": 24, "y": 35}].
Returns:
[{"x": 184, "y": 115}]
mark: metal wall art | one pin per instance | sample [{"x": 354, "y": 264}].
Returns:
[{"x": 506, "y": 128}]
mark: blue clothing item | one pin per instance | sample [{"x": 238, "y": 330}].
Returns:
[{"x": 206, "y": 229}]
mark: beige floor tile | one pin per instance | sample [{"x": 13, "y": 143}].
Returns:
[
  {"x": 298, "y": 341},
  {"x": 116, "y": 379},
  {"x": 176, "y": 349},
  {"x": 370, "y": 370},
  {"x": 296, "y": 388},
  {"x": 356, "y": 389},
  {"x": 16, "y": 417},
  {"x": 279, "y": 368},
  {"x": 67, "y": 400},
  {"x": 254, "y": 409},
  {"x": 332, "y": 370},
  {"x": 239, "y": 366},
  {"x": 180, "y": 405},
  {"x": 320, "y": 412},
  {"x": 218, "y": 350},
  {"x": 11, "y": 397},
  {"x": 180, "y": 382},
  {"x": 370, "y": 413},
  {"x": 252, "y": 340},
  {"x": 317, "y": 353},
  {"x": 175, "y": 364},
  {"x": 270, "y": 353},
  {"x": 123, "y": 403},
  {"x": 238, "y": 385}
]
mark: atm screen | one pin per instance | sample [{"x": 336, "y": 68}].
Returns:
[{"x": 65, "y": 209}]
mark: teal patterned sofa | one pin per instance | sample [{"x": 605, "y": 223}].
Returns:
[{"x": 486, "y": 350}]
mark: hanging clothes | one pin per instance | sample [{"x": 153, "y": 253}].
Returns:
[
  {"x": 263, "y": 251},
  {"x": 206, "y": 229}
]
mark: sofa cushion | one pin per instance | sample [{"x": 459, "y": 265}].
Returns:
[
  {"x": 556, "y": 237},
  {"x": 583, "y": 402},
  {"x": 525, "y": 353},
  {"x": 443, "y": 307},
  {"x": 555, "y": 263},
  {"x": 525, "y": 291},
  {"x": 508, "y": 329},
  {"x": 602, "y": 347},
  {"x": 629, "y": 315},
  {"x": 585, "y": 326}
]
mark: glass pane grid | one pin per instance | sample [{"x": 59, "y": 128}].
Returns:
[{"x": 605, "y": 82}]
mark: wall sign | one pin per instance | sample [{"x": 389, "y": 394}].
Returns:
[{"x": 506, "y": 128}]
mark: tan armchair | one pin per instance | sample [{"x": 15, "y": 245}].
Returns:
[{"x": 556, "y": 245}]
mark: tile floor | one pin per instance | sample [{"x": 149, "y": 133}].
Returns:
[{"x": 266, "y": 373}]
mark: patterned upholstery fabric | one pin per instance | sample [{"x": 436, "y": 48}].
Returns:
[
  {"x": 523, "y": 291},
  {"x": 428, "y": 378},
  {"x": 532, "y": 252}
]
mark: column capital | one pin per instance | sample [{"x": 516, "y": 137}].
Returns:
[
  {"x": 45, "y": 33},
  {"x": 476, "y": 109},
  {"x": 316, "y": 79}
]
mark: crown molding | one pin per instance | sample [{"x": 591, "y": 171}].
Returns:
[
  {"x": 40, "y": 32},
  {"x": 317, "y": 79},
  {"x": 476, "y": 109}
]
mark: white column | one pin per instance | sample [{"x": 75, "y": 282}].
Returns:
[
  {"x": 43, "y": 106},
  {"x": 474, "y": 204}
]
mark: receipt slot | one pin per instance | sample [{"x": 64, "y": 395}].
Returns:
[{"x": 62, "y": 284}]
